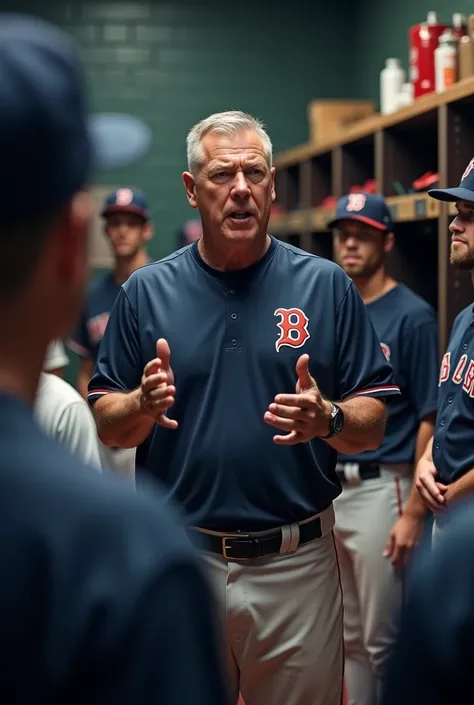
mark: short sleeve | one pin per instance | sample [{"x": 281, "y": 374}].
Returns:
[
  {"x": 118, "y": 367},
  {"x": 421, "y": 364},
  {"x": 362, "y": 367},
  {"x": 56, "y": 356},
  {"x": 80, "y": 342}
]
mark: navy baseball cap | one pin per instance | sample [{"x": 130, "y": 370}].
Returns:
[
  {"x": 48, "y": 142},
  {"x": 366, "y": 208},
  {"x": 464, "y": 192},
  {"x": 126, "y": 200}
]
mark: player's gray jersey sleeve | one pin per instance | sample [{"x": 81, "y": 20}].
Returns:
[{"x": 76, "y": 429}]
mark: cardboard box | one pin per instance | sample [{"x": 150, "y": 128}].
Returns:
[{"x": 328, "y": 118}]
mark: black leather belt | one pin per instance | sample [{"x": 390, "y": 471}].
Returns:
[
  {"x": 247, "y": 546},
  {"x": 367, "y": 471}
]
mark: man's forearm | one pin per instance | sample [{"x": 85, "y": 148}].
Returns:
[
  {"x": 120, "y": 421},
  {"x": 364, "y": 425}
]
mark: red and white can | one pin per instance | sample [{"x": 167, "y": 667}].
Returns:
[{"x": 423, "y": 40}]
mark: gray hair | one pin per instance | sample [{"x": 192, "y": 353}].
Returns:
[{"x": 230, "y": 123}]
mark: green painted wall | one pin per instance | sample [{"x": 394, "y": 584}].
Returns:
[
  {"x": 174, "y": 62},
  {"x": 380, "y": 30}
]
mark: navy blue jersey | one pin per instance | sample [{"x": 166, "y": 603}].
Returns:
[
  {"x": 235, "y": 338},
  {"x": 453, "y": 446},
  {"x": 103, "y": 600},
  {"x": 99, "y": 302},
  {"x": 432, "y": 659},
  {"x": 407, "y": 329}
]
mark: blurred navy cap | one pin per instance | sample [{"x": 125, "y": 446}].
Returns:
[
  {"x": 126, "y": 200},
  {"x": 464, "y": 192},
  {"x": 49, "y": 144},
  {"x": 366, "y": 208}
]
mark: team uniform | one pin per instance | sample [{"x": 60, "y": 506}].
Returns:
[
  {"x": 376, "y": 484},
  {"x": 99, "y": 303},
  {"x": 261, "y": 513},
  {"x": 453, "y": 446},
  {"x": 65, "y": 416},
  {"x": 453, "y": 451}
]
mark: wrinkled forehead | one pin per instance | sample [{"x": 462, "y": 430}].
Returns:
[{"x": 239, "y": 147}]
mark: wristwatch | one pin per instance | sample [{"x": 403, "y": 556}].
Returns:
[{"x": 336, "y": 421}]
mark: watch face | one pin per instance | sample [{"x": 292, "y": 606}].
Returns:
[{"x": 338, "y": 422}]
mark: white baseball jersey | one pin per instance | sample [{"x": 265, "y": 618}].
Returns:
[
  {"x": 56, "y": 356},
  {"x": 65, "y": 416}
]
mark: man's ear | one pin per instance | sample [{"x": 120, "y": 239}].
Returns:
[{"x": 190, "y": 186}]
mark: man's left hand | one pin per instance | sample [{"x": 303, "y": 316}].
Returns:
[{"x": 304, "y": 415}]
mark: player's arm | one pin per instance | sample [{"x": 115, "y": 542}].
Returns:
[
  {"x": 364, "y": 425},
  {"x": 120, "y": 419},
  {"x": 364, "y": 377},
  {"x": 114, "y": 390}
]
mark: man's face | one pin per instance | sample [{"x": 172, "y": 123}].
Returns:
[
  {"x": 359, "y": 248},
  {"x": 127, "y": 233},
  {"x": 462, "y": 236},
  {"x": 234, "y": 188}
]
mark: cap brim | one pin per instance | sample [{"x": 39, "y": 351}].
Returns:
[
  {"x": 110, "y": 210},
  {"x": 360, "y": 219},
  {"x": 451, "y": 195},
  {"x": 117, "y": 140}
]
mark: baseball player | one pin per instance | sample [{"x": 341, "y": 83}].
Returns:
[
  {"x": 249, "y": 345},
  {"x": 103, "y": 599},
  {"x": 379, "y": 500},
  {"x": 445, "y": 472},
  {"x": 128, "y": 229}
]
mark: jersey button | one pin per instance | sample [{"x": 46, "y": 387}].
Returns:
[
  {"x": 234, "y": 342},
  {"x": 450, "y": 400},
  {"x": 233, "y": 315},
  {"x": 441, "y": 423},
  {"x": 437, "y": 446},
  {"x": 231, "y": 291}
]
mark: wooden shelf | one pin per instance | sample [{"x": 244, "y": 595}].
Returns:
[
  {"x": 404, "y": 209},
  {"x": 434, "y": 134},
  {"x": 462, "y": 90}
]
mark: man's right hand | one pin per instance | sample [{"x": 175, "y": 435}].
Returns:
[
  {"x": 431, "y": 491},
  {"x": 157, "y": 391}
]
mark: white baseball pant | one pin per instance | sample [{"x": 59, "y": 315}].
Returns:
[
  {"x": 372, "y": 588},
  {"x": 282, "y": 623}
]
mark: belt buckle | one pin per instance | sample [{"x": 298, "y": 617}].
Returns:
[{"x": 226, "y": 548}]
